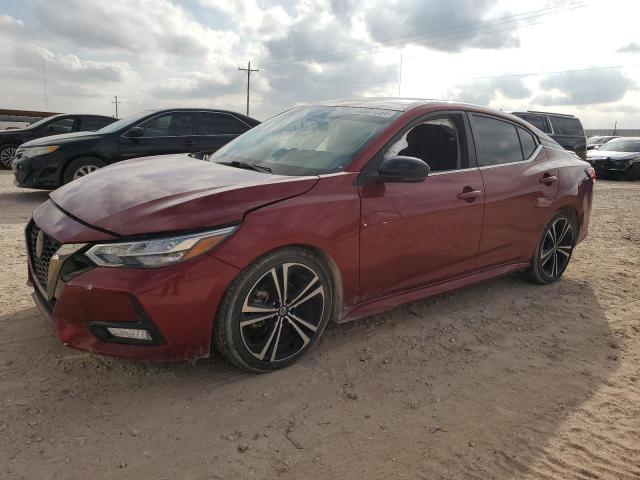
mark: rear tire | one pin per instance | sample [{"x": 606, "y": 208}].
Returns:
[
  {"x": 81, "y": 167},
  {"x": 7, "y": 152},
  {"x": 633, "y": 173},
  {"x": 275, "y": 310},
  {"x": 554, "y": 250}
]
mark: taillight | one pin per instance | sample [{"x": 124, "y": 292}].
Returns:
[{"x": 591, "y": 173}]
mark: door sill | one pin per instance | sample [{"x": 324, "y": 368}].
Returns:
[{"x": 388, "y": 302}]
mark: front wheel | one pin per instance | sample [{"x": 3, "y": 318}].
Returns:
[
  {"x": 81, "y": 167},
  {"x": 275, "y": 310},
  {"x": 7, "y": 153},
  {"x": 554, "y": 250}
]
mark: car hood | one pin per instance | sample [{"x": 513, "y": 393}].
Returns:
[
  {"x": 603, "y": 155},
  {"x": 171, "y": 193},
  {"x": 61, "y": 139}
]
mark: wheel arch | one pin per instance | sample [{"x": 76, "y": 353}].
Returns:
[
  {"x": 68, "y": 162},
  {"x": 326, "y": 258}
]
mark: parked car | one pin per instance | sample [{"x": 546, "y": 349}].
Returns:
[
  {"x": 593, "y": 143},
  {"x": 619, "y": 157},
  {"x": 11, "y": 140},
  {"x": 564, "y": 129},
  {"x": 327, "y": 212},
  {"x": 53, "y": 161}
]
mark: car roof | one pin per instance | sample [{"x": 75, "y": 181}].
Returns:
[
  {"x": 62, "y": 115},
  {"x": 408, "y": 104},
  {"x": 534, "y": 112}
]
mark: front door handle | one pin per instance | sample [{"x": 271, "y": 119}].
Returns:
[
  {"x": 548, "y": 179},
  {"x": 469, "y": 195},
  {"x": 188, "y": 143}
]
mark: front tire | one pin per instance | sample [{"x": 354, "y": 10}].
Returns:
[
  {"x": 554, "y": 250},
  {"x": 275, "y": 310},
  {"x": 7, "y": 153},
  {"x": 81, "y": 167}
]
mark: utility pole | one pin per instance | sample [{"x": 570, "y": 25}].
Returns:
[
  {"x": 248, "y": 70},
  {"x": 615, "y": 129},
  {"x": 116, "y": 102},
  {"x": 44, "y": 81},
  {"x": 400, "y": 76}
]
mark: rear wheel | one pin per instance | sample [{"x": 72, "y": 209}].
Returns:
[
  {"x": 275, "y": 311},
  {"x": 81, "y": 167},
  {"x": 7, "y": 153},
  {"x": 633, "y": 173},
  {"x": 554, "y": 250}
]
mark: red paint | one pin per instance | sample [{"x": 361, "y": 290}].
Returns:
[{"x": 388, "y": 243}]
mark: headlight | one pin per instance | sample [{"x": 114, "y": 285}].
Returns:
[
  {"x": 35, "y": 151},
  {"x": 156, "y": 252}
]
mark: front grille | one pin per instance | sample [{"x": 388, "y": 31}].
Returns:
[{"x": 40, "y": 264}]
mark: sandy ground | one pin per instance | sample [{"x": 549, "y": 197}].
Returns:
[{"x": 504, "y": 380}]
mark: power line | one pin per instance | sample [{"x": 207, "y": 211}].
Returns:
[
  {"x": 437, "y": 37},
  {"x": 509, "y": 75},
  {"x": 248, "y": 70}
]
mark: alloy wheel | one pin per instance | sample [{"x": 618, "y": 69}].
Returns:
[
  {"x": 84, "y": 170},
  {"x": 556, "y": 248},
  {"x": 282, "y": 312},
  {"x": 6, "y": 156}
]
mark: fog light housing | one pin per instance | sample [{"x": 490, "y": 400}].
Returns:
[{"x": 131, "y": 333}]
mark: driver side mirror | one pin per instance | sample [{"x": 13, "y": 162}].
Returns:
[
  {"x": 135, "y": 132},
  {"x": 403, "y": 170}
]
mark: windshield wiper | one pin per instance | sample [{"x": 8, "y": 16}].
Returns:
[{"x": 247, "y": 166}]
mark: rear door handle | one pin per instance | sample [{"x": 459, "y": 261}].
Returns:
[
  {"x": 548, "y": 179},
  {"x": 188, "y": 143},
  {"x": 469, "y": 195}
]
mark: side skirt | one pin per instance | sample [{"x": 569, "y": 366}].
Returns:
[{"x": 391, "y": 301}]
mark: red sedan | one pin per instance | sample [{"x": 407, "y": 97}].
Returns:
[{"x": 327, "y": 212}]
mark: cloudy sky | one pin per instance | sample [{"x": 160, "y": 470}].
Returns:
[{"x": 573, "y": 56}]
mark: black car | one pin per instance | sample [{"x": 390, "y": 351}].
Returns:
[
  {"x": 53, "y": 161},
  {"x": 593, "y": 143},
  {"x": 10, "y": 140},
  {"x": 564, "y": 129},
  {"x": 619, "y": 157}
]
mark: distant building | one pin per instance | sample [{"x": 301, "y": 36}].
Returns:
[
  {"x": 620, "y": 132},
  {"x": 20, "y": 118}
]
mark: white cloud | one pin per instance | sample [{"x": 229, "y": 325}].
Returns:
[{"x": 153, "y": 53}]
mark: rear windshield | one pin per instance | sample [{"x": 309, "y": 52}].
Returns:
[
  {"x": 622, "y": 145},
  {"x": 567, "y": 126},
  {"x": 537, "y": 121}
]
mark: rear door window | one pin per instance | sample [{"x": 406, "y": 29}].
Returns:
[
  {"x": 497, "y": 142},
  {"x": 212, "y": 123},
  {"x": 91, "y": 124},
  {"x": 567, "y": 126},
  {"x": 174, "y": 124}
]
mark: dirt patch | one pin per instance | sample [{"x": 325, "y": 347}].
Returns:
[{"x": 502, "y": 380}]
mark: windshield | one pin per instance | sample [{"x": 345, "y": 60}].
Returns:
[
  {"x": 621, "y": 145},
  {"x": 123, "y": 122},
  {"x": 307, "y": 140}
]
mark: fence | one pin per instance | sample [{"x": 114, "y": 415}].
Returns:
[{"x": 620, "y": 132}]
